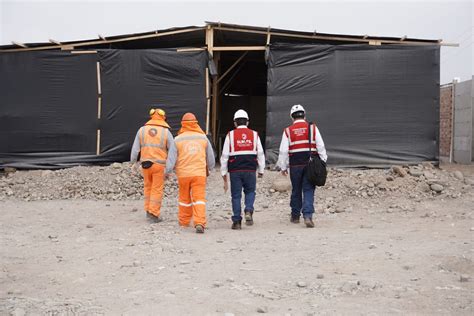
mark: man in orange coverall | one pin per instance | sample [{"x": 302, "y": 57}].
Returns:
[
  {"x": 192, "y": 157},
  {"x": 152, "y": 143}
]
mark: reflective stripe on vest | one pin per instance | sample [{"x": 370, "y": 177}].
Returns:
[
  {"x": 298, "y": 137},
  {"x": 242, "y": 145},
  {"x": 153, "y": 140}
]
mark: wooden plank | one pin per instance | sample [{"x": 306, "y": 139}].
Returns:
[
  {"x": 97, "y": 152},
  {"x": 194, "y": 49},
  {"x": 208, "y": 102},
  {"x": 99, "y": 107},
  {"x": 55, "y": 42},
  {"x": 19, "y": 44},
  {"x": 215, "y": 96},
  {"x": 333, "y": 38},
  {"x": 99, "y": 87},
  {"x": 67, "y": 47},
  {"x": 232, "y": 67},
  {"x": 84, "y": 52},
  {"x": 375, "y": 42},
  {"x": 237, "y": 48},
  {"x": 95, "y": 42}
]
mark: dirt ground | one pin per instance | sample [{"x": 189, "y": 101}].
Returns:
[{"x": 402, "y": 249}]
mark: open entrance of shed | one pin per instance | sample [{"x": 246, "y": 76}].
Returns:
[{"x": 241, "y": 84}]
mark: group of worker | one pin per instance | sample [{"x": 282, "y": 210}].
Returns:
[{"x": 191, "y": 157}]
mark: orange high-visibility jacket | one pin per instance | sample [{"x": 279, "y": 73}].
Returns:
[
  {"x": 153, "y": 143},
  {"x": 191, "y": 148}
]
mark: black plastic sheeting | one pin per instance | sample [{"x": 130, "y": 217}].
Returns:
[
  {"x": 48, "y": 109},
  {"x": 374, "y": 105},
  {"x": 134, "y": 81},
  {"x": 49, "y": 102}
]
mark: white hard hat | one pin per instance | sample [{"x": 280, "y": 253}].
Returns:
[
  {"x": 297, "y": 108},
  {"x": 241, "y": 114}
]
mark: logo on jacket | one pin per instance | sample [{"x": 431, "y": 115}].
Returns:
[
  {"x": 192, "y": 148},
  {"x": 152, "y": 132}
]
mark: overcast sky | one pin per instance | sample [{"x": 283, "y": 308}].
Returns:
[{"x": 37, "y": 21}]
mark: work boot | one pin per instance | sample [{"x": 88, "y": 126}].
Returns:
[
  {"x": 237, "y": 225},
  {"x": 152, "y": 218},
  {"x": 309, "y": 222},
  {"x": 199, "y": 229},
  {"x": 295, "y": 219},
  {"x": 248, "y": 219}
]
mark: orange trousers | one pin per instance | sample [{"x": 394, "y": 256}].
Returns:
[
  {"x": 154, "y": 179},
  {"x": 192, "y": 201}
]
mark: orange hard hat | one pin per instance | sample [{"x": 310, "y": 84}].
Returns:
[{"x": 189, "y": 117}]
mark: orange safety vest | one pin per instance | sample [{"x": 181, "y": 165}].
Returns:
[
  {"x": 191, "y": 161},
  {"x": 153, "y": 143}
]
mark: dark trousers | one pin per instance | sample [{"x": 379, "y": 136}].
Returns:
[
  {"x": 302, "y": 193},
  {"x": 248, "y": 182}
]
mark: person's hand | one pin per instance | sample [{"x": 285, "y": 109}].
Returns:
[
  {"x": 284, "y": 172},
  {"x": 226, "y": 185},
  {"x": 260, "y": 175}
]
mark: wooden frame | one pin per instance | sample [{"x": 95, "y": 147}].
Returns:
[{"x": 98, "y": 42}]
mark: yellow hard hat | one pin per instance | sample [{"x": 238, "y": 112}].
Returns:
[{"x": 157, "y": 111}]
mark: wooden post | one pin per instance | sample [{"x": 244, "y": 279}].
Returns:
[
  {"x": 99, "y": 106},
  {"x": 215, "y": 96},
  {"x": 208, "y": 102}
]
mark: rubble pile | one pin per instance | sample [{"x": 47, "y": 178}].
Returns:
[{"x": 118, "y": 182}]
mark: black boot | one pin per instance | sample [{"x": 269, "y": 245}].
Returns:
[
  {"x": 248, "y": 218},
  {"x": 295, "y": 219},
  {"x": 237, "y": 225}
]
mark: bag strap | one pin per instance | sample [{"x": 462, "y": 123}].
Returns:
[{"x": 309, "y": 133}]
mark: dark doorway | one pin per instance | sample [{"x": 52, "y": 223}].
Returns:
[{"x": 244, "y": 86}]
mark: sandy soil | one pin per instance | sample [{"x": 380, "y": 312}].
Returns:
[{"x": 82, "y": 256}]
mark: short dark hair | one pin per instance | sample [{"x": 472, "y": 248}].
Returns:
[
  {"x": 299, "y": 114},
  {"x": 241, "y": 121}
]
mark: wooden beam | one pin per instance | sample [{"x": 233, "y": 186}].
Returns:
[
  {"x": 102, "y": 37},
  {"x": 208, "y": 102},
  {"x": 55, "y": 42},
  {"x": 83, "y": 52},
  {"x": 97, "y": 151},
  {"x": 404, "y": 37},
  {"x": 237, "y": 48},
  {"x": 67, "y": 47},
  {"x": 191, "y": 49},
  {"x": 365, "y": 36},
  {"x": 231, "y": 67},
  {"x": 99, "y": 87},
  {"x": 210, "y": 39},
  {"x": 375, "y": 42},
  {"x": 96, "y": 42},
  {"x": 19, "y": 44},
  {"x": 215, "y": 96},
  {"x": 268, "y": 35},
  {"x": 330, "y": 37}
]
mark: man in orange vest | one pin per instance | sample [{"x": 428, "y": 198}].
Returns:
[
  {"x": 295, "y": 151},
  {"x": 242, "y": 155},
  {"x": 152, "y": 143},
  {"x": 192, "y": 158}
]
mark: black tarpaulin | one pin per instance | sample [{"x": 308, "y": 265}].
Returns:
[
  {"x": 374, "y": 105},
  {"x": 48, "y": 109},
  {"x": 133, "y": 81}
]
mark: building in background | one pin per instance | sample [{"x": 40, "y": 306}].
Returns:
[{"x": 376, "y": 99}]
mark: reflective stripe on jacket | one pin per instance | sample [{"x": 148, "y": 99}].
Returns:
[
  {"x": 299, "y": 146},
  {"x": 191, "y": 148}
]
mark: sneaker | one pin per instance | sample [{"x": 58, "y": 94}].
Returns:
[
  {"x": 309, "y": 222},
  {"x": 295, "y": 219},
  {"x": 248, "y": 219},
  {"x": 199, "y": 229},
  {"x": 237, "y": 225}
]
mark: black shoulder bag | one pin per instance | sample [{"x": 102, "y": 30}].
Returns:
[{"x": 316, "y": 168}]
